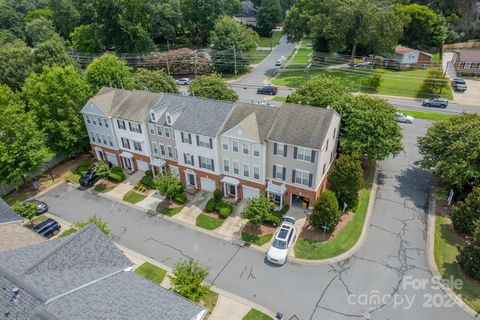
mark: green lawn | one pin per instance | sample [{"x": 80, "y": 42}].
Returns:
[
  {"x": 426, "y": 115},
  {"x": 279, "y": 99},
  {"x": 266, "y": 42},
  {"x": 151, "y": 272},
  {"x": 446, "y": 242},
  {"x": 314, "y": 250},
  {"x": 100, "y": 187},
  {"x": 171, "y": 211},
  {"x": 257, "y": 56},
  {"x": 73, "y": 178},
  {"x": 257, "y": 240},
  {"x": 301, "y": 58},
  {"x": 436, "y": 57},
  {"x": 210, "y": 301},
  {"x": 133, "y": 197},
  {"x": 254, "y": 314},
  {"x": 395, "y": 83},
  {"x": 208, "y": 222}
]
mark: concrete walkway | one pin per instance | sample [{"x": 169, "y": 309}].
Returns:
[
  {"x": 127, "y": 185},
  {"x": 152, "y": 201},
  {"x": 193, "y": 208}
]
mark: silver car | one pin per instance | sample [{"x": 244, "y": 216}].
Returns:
[
  {"x": 183, "y": 81},
  {"x": 403, "y": 118},
  {"x": 282, "y": 241}
]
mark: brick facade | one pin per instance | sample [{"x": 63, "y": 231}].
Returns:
[
  {"x": 198, "y": 175},
  {"x": 243, "y": 182},
  {"x": 94, "y": 148}
]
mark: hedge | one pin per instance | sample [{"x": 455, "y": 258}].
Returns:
[
  {"x": 116, "y": 174},
  {"x": 82, "y": 168},
  {"x": 224, "y": 212},
  {"x": 180, "y": 198},
  {"x": 272, "y": 220},
  {"x": 210, "y": 205},
  {"x": 147, "y": 180},
  {"x": 223, "y": 205}
]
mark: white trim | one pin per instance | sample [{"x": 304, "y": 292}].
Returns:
[
  {"x": 126, "y": 154},
  {"x": 230, "y": 180},
  {"x": 293, "y": 145},
  {"x": 229, "y": 166},
  {"x": 259, "y": 173},
  {"x": 302, "y": 171}
]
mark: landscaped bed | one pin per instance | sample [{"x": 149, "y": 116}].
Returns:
[
  {"x": 105, "y": 186},
  {"x": 254, "y": 314},
  {"x": 258, "y": 235},
  {"x": 209, "y": 301},
  {"x": 133, "y": 197},
  {"x": 347, "y": 237},
  {"x": 151, "y": 272},
  {"x": 171, "y": 208},
  {"x": 208, "y": 221}
]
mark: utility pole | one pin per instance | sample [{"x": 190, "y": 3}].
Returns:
[
  {"x": 195, "y": 62},
  {"x": 235, "y": 59},
  {"x": 168, "y": 50},
  {"x": 271, "y": 40}
]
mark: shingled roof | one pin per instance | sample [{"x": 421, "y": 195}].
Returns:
[{"x": 7, "y": 215}]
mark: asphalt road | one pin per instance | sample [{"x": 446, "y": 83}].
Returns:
[{"x": 391, "y": 266}]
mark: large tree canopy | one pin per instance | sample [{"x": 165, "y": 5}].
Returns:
[
  {"x": 49, "y": 53},
  {"x": 156, "y": 81},
  {"x": 268, "y": 16},
  {"x": 109, "y": 71},
  {"x": 15, "y": 64},
  {"x": 212, "y": 87},
  {"x": 342, "y": 26}
]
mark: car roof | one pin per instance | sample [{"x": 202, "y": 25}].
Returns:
[{"x": 44, "y": 224}]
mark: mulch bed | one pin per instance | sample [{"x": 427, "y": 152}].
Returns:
[
  {"x": 167, "y": 204},
  {"x": 107, "y": 183},
  {"x": 443, "y": 207},
  {"x": 212, "y": 214},
  {"x": 309, "y": 233},
  {"x": 259, "y": 230}
]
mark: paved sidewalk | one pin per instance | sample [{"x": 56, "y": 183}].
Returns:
[
  {"x": 193, "y": 208},
  {"x": 131, "y": 181},
  {"x": 152, "y": 201}
]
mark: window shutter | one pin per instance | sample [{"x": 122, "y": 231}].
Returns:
[
  {"x": 199, "y": 162},
  {"x": 198, "y": 140},
  {"x": 274, "y": 171},
  {"x": 140, "y": 128},
  {"x": 130, "y": 125},
  {"x": 310, "y": 178},
  {"x": 183, "y": 138},
  {"x": 284, "y": 174},
  {"x": 213, "y": 167},
  {"x": 275, "y": 149},
  {"x": 285, "y": 149},
  {"x": 313, "y": 156},
  {"x": 189, "y": 138},
  {"x": 211, "y": 143},
  {"x": 193, "y": 162},
  {"x": 293, "y": 175},
  {"x": 185, "y": 158},
  {"x": 295, "y": 152}
]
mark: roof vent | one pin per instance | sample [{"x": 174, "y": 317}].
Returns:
[{"x": 15, "y": 292}]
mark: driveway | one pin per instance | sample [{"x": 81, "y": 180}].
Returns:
[
  {"x": 471, "y": 96},
  {"x": 387, "y": 279}
]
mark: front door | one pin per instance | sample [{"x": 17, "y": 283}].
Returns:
[
  {"x": 191, "y": 179},
  {"x": 127, "y": 163},
  {"x": 233, "y": 189}
]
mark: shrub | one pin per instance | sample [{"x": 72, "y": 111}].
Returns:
[
  {"x": 147, "y": 180},
  {"x": 187, "y": 279},
  {"x": 220, "y": 204},
  {"x": 346, "y": 180},
  {"x": 180, "y": 198},
  {"x": 210, "y": 205},
  {"x": 168, "y": 185},
  {"x": 82, "y": 168},
  {"x": 283, "y": 210},
  {"x": 218, "y": 194},
  {"x": 116, "y": 174},
  {"x": 258, "y": 209},
  {"x": 467, "y": 212},
  {"x": 374, "y": 81},
  {"x": 224, "y": 212},
  {"x": 325, "y": 212},
  {"x": 149, "y": 173},
  {"x": 469, "y": 256},
  {"x": 102, "y": 169},
  {"x": 272, "y": 220}
]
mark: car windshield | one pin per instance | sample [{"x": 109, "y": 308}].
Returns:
[
  {"x": 460, "y": 81},
  {"x": 279, "y": 244}
]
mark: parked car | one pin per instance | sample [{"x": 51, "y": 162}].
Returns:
[
  {"x": 436, "y": 102},
  {"x": 401, "y": 117},
  {"x": 183, "y": 81},
  {"x": 280, "y": 61},
  {"x": 362, "y": 64},
  {"x": 459, "y": 84},
  {"x": 269, "y": 90},
  {"x": 282, "y": 241},
  {"x": 47, "y": 228},
  {"x": 42, "y": 206},
  {"x": 89, "y": 178}
]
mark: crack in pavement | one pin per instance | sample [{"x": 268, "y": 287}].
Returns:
[
  {"x": 168, "y": 246},
  {"x": 117, "y": 237},
  {"x": 227, "y": 263}
]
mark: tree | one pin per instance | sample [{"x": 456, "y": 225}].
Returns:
[
  {"x": 346, "y": 180},
  {"x": 231, "y": 43},
  {"x": 469, "y": 255},
  {"x": 86, "y": 38},
  {"x": 22, "y": 144},
  {"x": 268, "y": 16},
  {"x": 212, "y": 87},
  {"x": 435, "y": 84},
  {"x": 102, "y": 169},
  {"x": 424, "y": 28},
  {"x": 369, "y": 127},
  {"x": 258, "y": 209},
  {"x": 12, "y": 20},
  {"x": 39, "y": 13},
  {"x": 466, "y": 213},
  {"x": 38, "y": 30},
  {"x": 102, "y": 225},
  {"x": 66, "y": 16},
  {"x": 108, "y": 71},
  {"x": 56, "y": 97},
  {"x": 168, "y": 185},
  {"x": 155, "y": 81},
  {"x": 200, "y": 17},
  {"x": 15, "y": 64},
  {"x": 49, "y": 53},
  {"x": 320, "y": 91},
  {"x": 325, "y": 212},
  {"x": 7, "y": 37},
  {"x": 187, "y": 278},
  {"x": 452, "y": 148},
  {"x": 345, "y": 26},
  {"x": 167, "y": 20},
  {"x": 27, "y": 210}
]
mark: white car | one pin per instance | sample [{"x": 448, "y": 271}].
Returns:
[
  {"x": 282, "y": 241},
  {"x": 183, "y": 82},
  {"x": 280, "y": 61},
  {"x": 401, "y": 117}
]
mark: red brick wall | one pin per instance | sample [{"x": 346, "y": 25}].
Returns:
[
  {"x": 198, "y": 174},
  {"x": 243, "y": 182},
  {"x": 105, "y": 149}
]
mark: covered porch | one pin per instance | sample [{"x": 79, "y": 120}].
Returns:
[
  {"x": 230, "y": 187},
  {"x": 126, "y": 159},
  {"x": 276, "y": 193},
  {"x": 159, "y": 166}
]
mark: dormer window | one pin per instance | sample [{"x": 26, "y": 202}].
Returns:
[
  {"x": 153, "y": 116},
  {"x": 169, "y": 119}
]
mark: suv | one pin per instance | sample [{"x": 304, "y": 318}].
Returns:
[
  {"x": 436, "y": 102},
  {"x": 459, "y": 84},
  {"x": 269, "y": 90},
  {"x": 280, "y": 61},
  {"x": 183, "y": 81},
  {"x": 282, "y": 241},
  {"x": 89, "y": 178},
  {"x": 47, "y": 228}
]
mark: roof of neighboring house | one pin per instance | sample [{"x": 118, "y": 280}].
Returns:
[
  {"x": 82, "y": 276},
  {"x": 7, "y": 215},
  {"x": 468, "y": 55},
  {"x": 15, "y": 235},
  {"x": 301, "y": 125},
  {"x": 405, "y": 50},
  {"x": 197, "y": 115}
]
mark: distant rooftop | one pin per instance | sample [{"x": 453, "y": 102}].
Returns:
[{"x": 7, "y": 215}]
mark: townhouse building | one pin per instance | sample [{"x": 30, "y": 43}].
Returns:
[{"x": 243, "y": 149}]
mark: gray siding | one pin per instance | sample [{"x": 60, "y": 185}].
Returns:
[
  {"x": 92, "y": 123},
  {"x": 327, "y": 155},
  {"x": 156, "y": 140}
]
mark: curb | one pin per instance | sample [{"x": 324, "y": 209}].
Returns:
[
  {"x": 363, "y": 236},
  {"x": 432, "y": 265}
]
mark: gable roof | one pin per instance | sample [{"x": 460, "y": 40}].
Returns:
[
  {"x": 403, "y": 50},
  {"x": 197, "y": 115},
  {"x": 15, "y": 235},
  {"x": 468, "y": 55},
  {"x": 301, "y": 125},
  {"x": 7, "y": 215}
]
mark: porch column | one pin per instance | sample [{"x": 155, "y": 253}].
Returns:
[
  {"x": 153, "y": 170},
  {"x": 236, "y": 192},
  {"x": 224, "y": 189},
  {"x": 281, "y": 200}
]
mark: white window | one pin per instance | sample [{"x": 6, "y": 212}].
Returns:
[
  {"x": 186, "y": 137},
  {"x": 162, "y": 149},
  {"x": 105, "y": 121},
  {"x": 100, "y": 122},
  {"x": 153, "y": 116},
  {"x": 236, "y": 167},
  {"x": 225, "y": 144},
  {"x": 334, "y": 132},
  {"x": 135, "y": 127},
  {"x": 323, "y": 172},
  {"x": 204, "y": 142},
  {"x": 137, "y": 146},
  {"x": 246, "y": 149},
  {"x": 256, "y": 173},
  {"x": 169, "y": 119},
  {"x": 235, "y": 146},
  {"x": 93, "y": 121},
  {"x": 256, "y": 150},
  {"x": 87, "y": 118},
  {"x": 168, "y": 133},
  {"x": 206, "y": 163},
  {"x": 467, "y": 65},
  {"x": 98, "y": 138},
  {"x": 125, "y": 143},
  {"x": 326, "y": 148},
  {"x": 121, "y": 124},
  {"x": 246, "y": 170},
  {"x": 104, "y": 139},
  {"x": 188, "y": 159},
  {"x": 159, "y": 131},
  {"x": 151, "y": 129},
  {"x": 278, "y": 172},
  {"x": 155, "y": 147},
  {"x": 226, "y": 165},
  {"x": 110, "y": 141},
  {"x": 170, "y": 151},
  {"x": 302, "y": 177},
  {"x": 281, "y": 150},
  {"x": 304, "y": 154}
]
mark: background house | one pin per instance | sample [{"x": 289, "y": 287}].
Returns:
[
  {"x": 461, "y": 58},
  {"x": 405, "y": 59}
]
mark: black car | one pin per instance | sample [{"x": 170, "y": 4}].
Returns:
[
  {"x": 269, "y": 90},
  {"x": 89, "y": 178},
  {"x": 42, "y": 206},
  {"x": 47, "y": 228}
]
